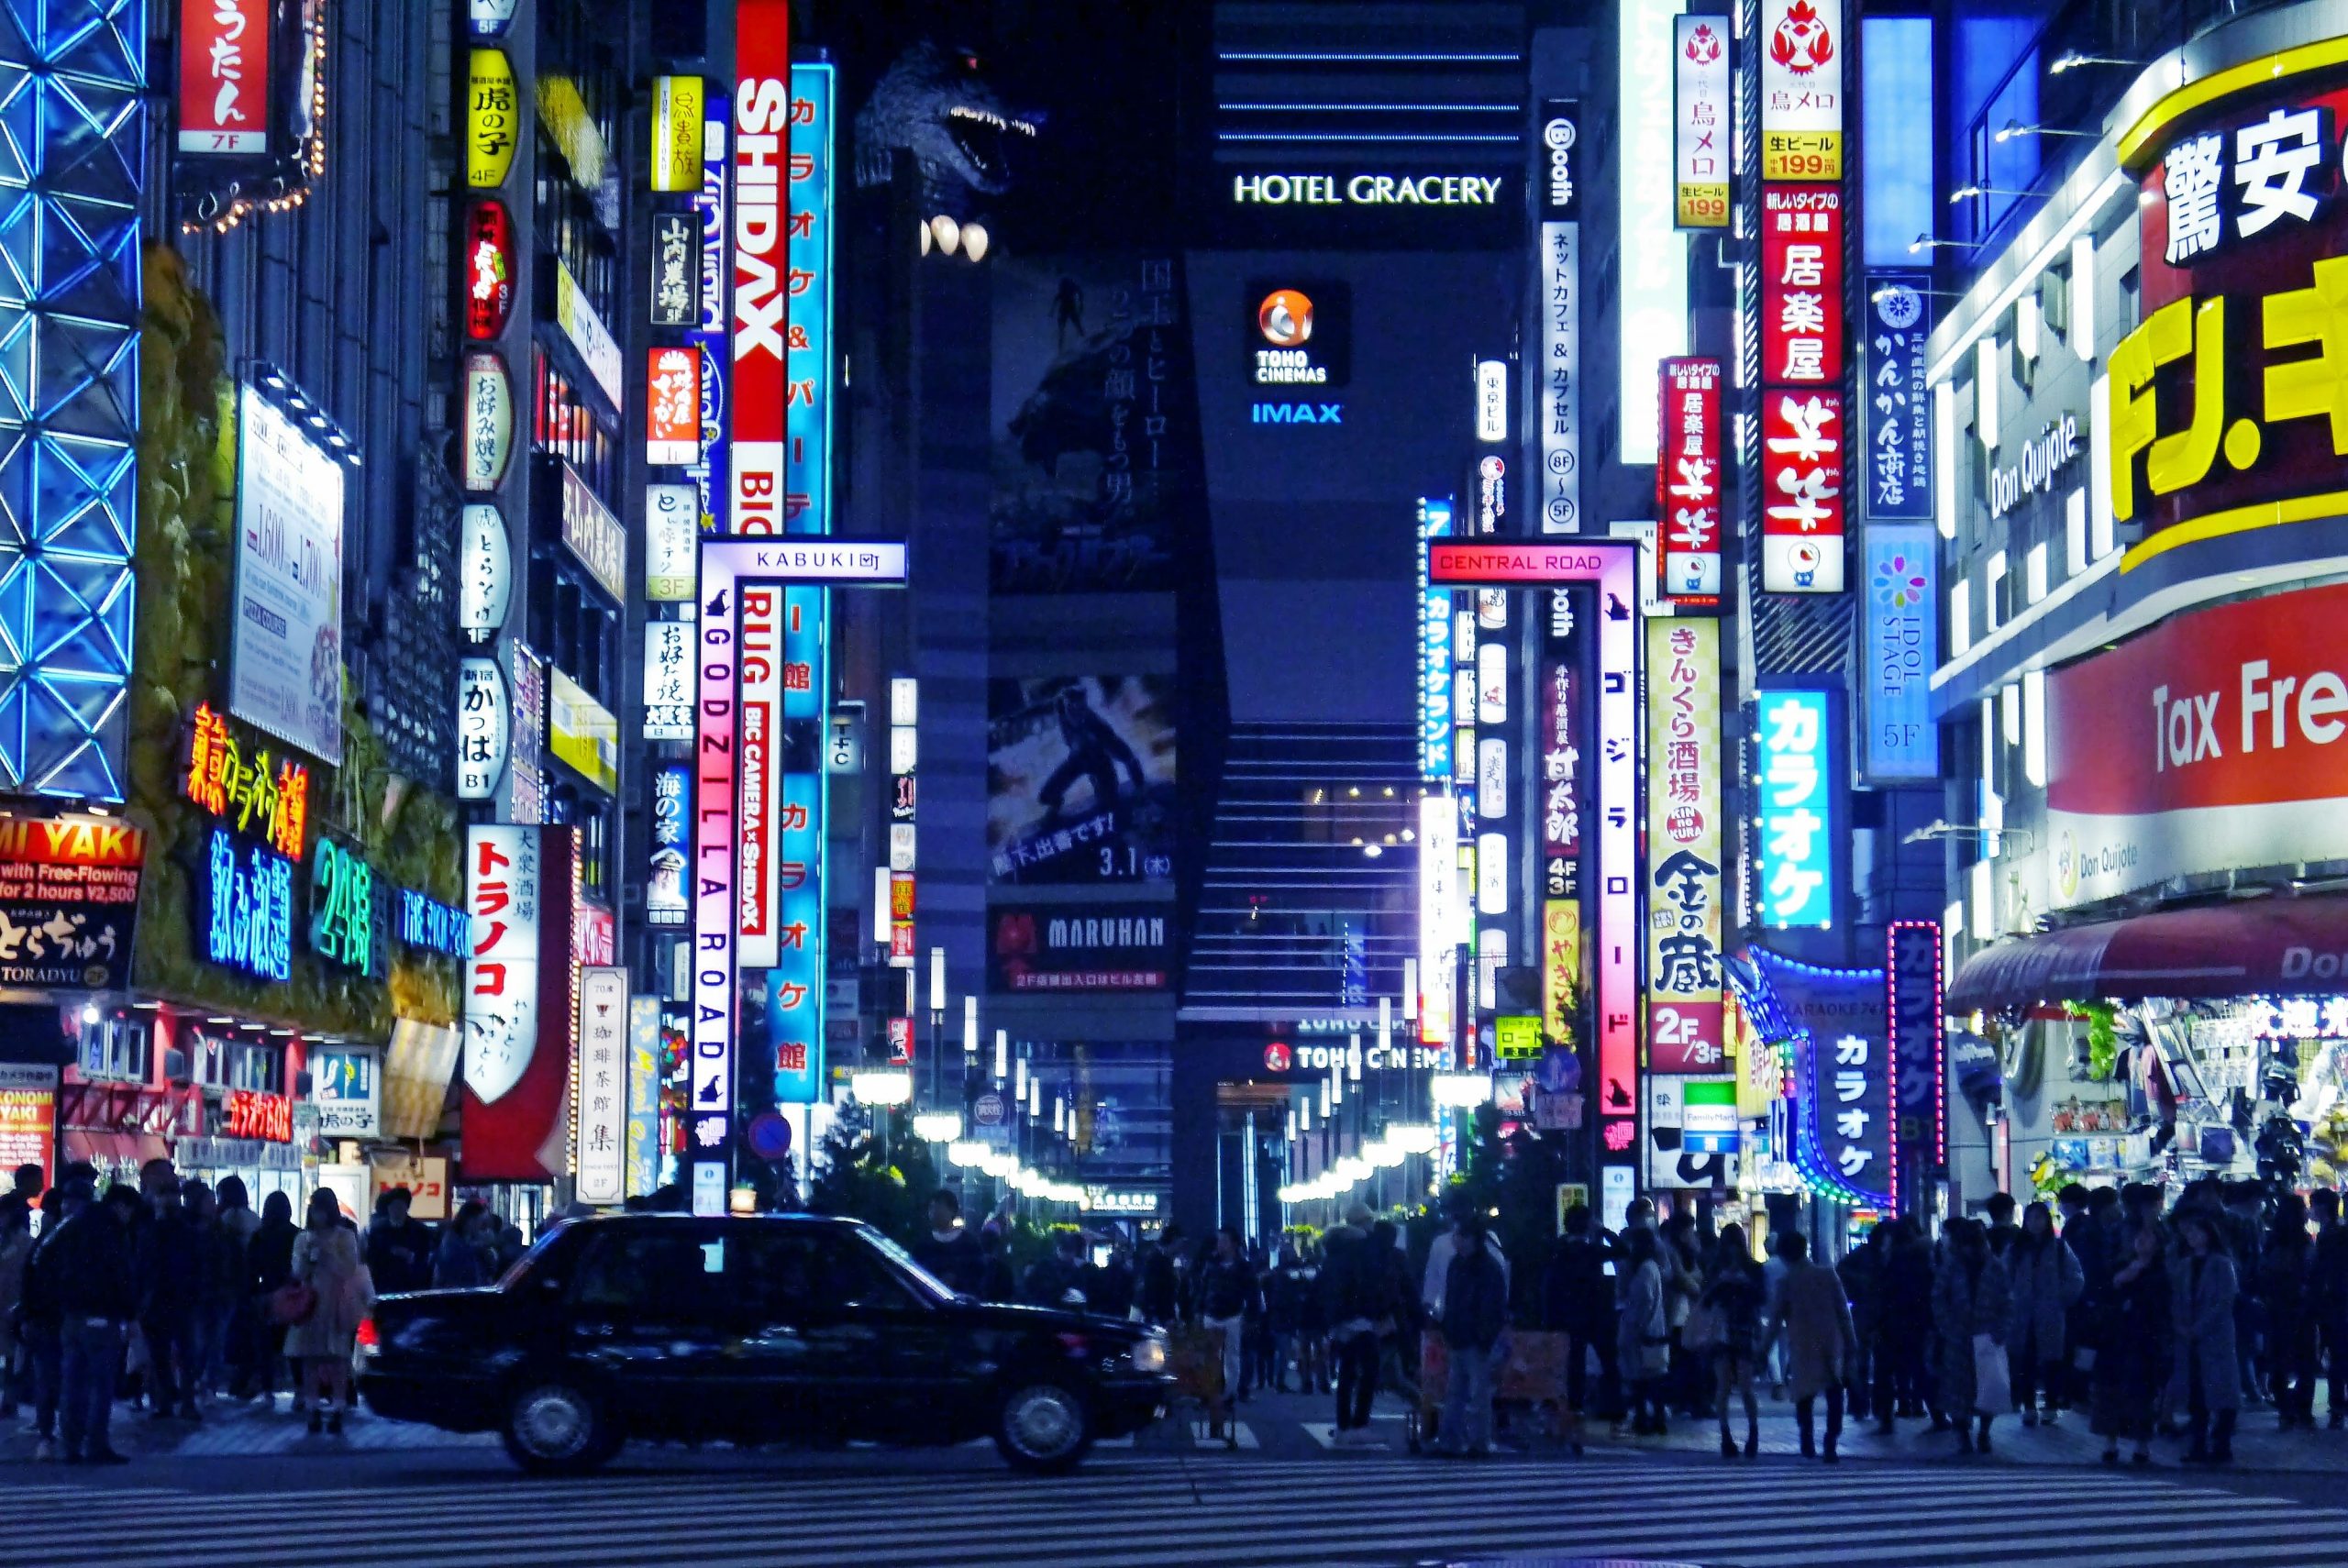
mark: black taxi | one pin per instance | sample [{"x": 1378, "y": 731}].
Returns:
[{"x": 785, "y": 1329}]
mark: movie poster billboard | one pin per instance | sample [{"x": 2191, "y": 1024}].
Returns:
[
  {"x": 1081, "y": 780},
  {"x": 1095, "y": 425}
]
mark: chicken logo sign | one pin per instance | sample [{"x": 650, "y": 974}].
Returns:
[
  {"x": 1802, "y": 42},
  {"x": 1704, "y": 44}
]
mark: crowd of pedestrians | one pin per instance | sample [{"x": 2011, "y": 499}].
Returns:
[
  {"x": 2151, "y": 1323},
  {"x": 176, "y": 1294}
]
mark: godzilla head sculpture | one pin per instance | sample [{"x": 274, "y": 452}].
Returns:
[{"x": 935, "y": 107}]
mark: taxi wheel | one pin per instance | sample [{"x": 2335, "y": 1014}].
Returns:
[
  {"x": 557, "y": 1428},
  {"x": 1044, "y": 1429}
]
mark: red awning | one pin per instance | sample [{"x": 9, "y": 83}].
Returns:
[{"x": 2267, "y": 947}]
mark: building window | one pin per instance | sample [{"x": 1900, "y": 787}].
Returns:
[
  {"x": 119, "y": 1050},
  {"x": 570, "y": 806},
  {"x": 561, "y": 423}
]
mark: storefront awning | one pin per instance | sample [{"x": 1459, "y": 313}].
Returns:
[{"x": 2270, "y": 946}]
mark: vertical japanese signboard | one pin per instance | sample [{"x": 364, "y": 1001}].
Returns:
[
  {"x": 1900, "y": 635},
  {"x": 677, "y": 113},
  {"x": 1687, "y": 478},
  {"x": 1802, "y": 49},
  {"x": 759, "y": 251},
  {"x": 710, "y": 335},
  {"x": 602, "y": 1086},
  {"x": 1913, "y": 967},
  {"x": 643, "y": 1096},
  {"x": 1700, "y": 112},
  {"x": 1801, "y": 492},
  {"x": 1684, "y": 848},
  {"x": 1895, "y": 414},
  {"x": 520, "y": 885},
  {"x": 1798, "y": 850},
  {"x": 1557, "y": 380},
  {"x": 1434, "y": 650},
  {"x": 1802, "y": 285},
  {"x": 224, "y": 78}
]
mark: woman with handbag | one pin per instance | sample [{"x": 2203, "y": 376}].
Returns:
[
  {"x": 1973, "y": 1309},
  {"x": 1726, "y": 1325},
  {"x": 323, "y": 1305}
]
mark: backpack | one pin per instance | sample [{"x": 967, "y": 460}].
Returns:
[{"x": 1475, "y": 1299}]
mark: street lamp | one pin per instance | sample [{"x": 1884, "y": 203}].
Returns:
[
  {"x": 2013, "y": 129},
  {"x": 1963, "y": 193},
  {"x": 2071, "y": 60}
]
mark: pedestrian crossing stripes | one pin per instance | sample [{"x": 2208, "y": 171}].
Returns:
[{"x": 1204, "y": 1511}]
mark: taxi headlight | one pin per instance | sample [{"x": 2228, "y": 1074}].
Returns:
[{"x": 1150, "y": 1355}]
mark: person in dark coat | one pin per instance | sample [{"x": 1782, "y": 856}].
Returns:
[
  {"x": 1970, "y": 1299},
  {"x": 269, "y": 1265},
  {"x": 468, "y": 1251},
  {"x": 996, "y": 1281},
  {"x": 2328, "y": 1296},
  {"x": 2285, "y": 1263},
  {"x": 2201, "y": 1314},
  {"x": 1160, "y": 1290},
  {"x": 2091, "y": 1241},
  {"x": 399, "y": 1246},
  {"x": 169, "y": 1263},
  {"x": 1904, "y": 1326},
  {"x": 41, "y": 1318},
  {"x": 1861, "y": 1272},
  {"x": 2047, "y": 1282},
  {"x": 947, "y": 1249},
  {"x": 1734, "y": 1290},
  {"x": 2130, "y": 1335},
  {"x": 1579, "y": 1296},
  {"x": 2003, "y": 1232},
  {"x": 97, "y": 1295},
  {"x": 1353, "y": 1300}
]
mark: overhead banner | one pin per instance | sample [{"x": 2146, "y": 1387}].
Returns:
[
  {"x": 1803, "y": 49},
  {"x": 1896, "y": 411},
  {"x": 1557, "y": 379},
  {"x": 1685, "y": 852},
  {"x": 1688, "y": 480},
  {"x": 285, "y": 658},
  {"x": 2210, "y": 743},
  {"x": 69, "y": 900},
  {"x": 1801, "y": 492},
  {"x": 1799, "y": 824},
  {"x": 1900, "y": 636},
  {"x": 1700, "y": 115}
]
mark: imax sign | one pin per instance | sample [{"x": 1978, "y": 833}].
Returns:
[{"x": 1298, "y": 414}]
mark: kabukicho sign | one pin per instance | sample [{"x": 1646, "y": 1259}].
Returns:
[{"x": 760, "y": 264}]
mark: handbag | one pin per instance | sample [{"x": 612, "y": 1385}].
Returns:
[
  {"x": 291, "y": 1303},
  {"x": 1706, "y": 1328},
  {"x": 1993, "y": 1389}
]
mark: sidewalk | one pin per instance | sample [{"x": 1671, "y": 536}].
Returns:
[{"x": 260, "y": 1426}]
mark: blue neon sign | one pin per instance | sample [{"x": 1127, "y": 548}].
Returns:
[
  {"x": 1796, "y": 791},
  {"x": 246, "y": 907}
]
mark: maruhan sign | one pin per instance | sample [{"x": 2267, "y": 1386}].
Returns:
[{"x": 1367, "y": 190}]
